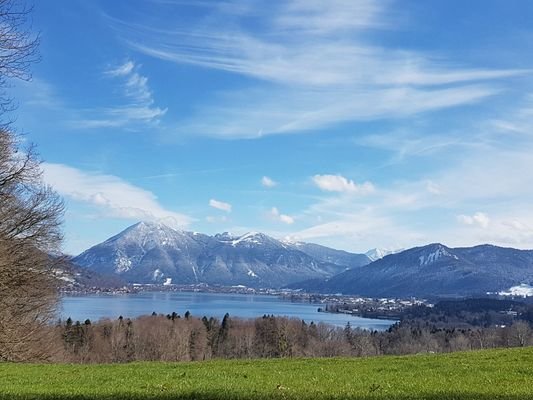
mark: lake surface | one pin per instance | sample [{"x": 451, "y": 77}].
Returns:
[{"x": 98, "y": 306}]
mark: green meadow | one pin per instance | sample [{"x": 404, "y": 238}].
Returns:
[{"x": 488, "y": 374}]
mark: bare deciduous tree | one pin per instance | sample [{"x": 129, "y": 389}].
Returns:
[
  {"x": 30, "y": 212},
  {"x": 18, "y": 47},
  {"x": 30, "y": 217}
]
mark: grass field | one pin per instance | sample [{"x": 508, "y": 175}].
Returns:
[{"x": 492, "y": 374}]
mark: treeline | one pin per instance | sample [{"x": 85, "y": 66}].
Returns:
[
  {"x": 187, "y": 338},
  {"x": 475, "y": 312},
  {"x": 462, "y": 313}
]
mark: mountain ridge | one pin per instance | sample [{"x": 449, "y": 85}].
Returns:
[
  {"x": 149, "y": 252},
  {"x": 433, "y": 270}
]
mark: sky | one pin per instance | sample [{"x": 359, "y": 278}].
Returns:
[{"x": 353, "y": 124}]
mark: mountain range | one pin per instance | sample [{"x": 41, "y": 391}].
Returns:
[
  {"x": 155, "y": 253},
  {"x": 433, "y": 271}
]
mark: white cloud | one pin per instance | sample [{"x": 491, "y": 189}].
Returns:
[
  {"x": 220, "y": 205},
  {"x": 433, "y": 188},
  {"x": 475, "y": 168},
  {"x": 121, "y": 70},
  {"x": 276, "y": 215},
  {"x": 254, "y": 113},
  {"x": 518, "y": 122},
  {"x": 319, "y": 17},
  {"x": 338, "y": 183},
  {"x": 479, "y": 219},
  {"x": 301, "y": 56},
  {"x": 413, "y": 212},
  {"x": 111, "y": 194},
  {"x": 137, "y": 107},
  {"x": 359, "y": 230},
  {"x": 268, "y": 182},
  {"x": 316, "y": 70}
]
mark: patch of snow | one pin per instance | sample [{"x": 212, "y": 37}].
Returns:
[
  {"x": 250, "y": 237},
  {"x": 290, "y": 240},
  {"x": 167, "y": 282},
  {"x": 148, "y": 235},
  {"x": 522, "y": 290},
  {"x": 122, "y": 263},
  {"x": 434, "y": 256},
  {"x": 224, "y": 237},
  {"x": 252, "y": 273},
  {"x": 157, "y": 275},
  {"x": 194, "y": 272}
]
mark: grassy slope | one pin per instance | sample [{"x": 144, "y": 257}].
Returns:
[{"x": 494, "y": 374}]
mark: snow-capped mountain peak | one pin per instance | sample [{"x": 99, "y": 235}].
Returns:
[
  {"x": 148, "y": 235},
  {"x": 254, "y": 239},
  {"x": 155, "y": 252},
  {"x": 436, "y": 270},
  {"x": 438, "y": 252},
  {"x": 225, "y": 237},
  {"x": 378, "y": 253},
  {"x": 291, "y": 241}
]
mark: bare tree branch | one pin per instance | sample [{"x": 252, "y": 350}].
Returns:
[{"x": 30, "y": 212}]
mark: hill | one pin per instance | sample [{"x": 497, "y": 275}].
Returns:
[
  {"x": 433, "y": 270},
  {"x": 155, "y": 253},
  {"x": 488, "y": 374},
  {"x": 71, "y": 277},
  {"x": 327, "y": 254}
]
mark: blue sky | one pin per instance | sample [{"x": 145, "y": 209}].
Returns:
[{"x": 354, "y": 124}]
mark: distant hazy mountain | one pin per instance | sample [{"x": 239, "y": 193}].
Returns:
[
  {"x": 149, "y": 252},
  {"x": 434, "y": 270},
  {"x": 377, "y": 253},
  {"x": 330, "y": 255}
]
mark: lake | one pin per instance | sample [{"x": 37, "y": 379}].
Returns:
[{"x": 98, "y": 306}]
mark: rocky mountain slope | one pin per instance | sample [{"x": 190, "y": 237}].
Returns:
[
  {"x": 327, "y": 254},
  {"x": 150, "y": 252},
  {"x": 433, "y": 270},
  {"x": 71, "y": 277}
]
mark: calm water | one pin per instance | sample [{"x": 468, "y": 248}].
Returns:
[{"x": 97, "y": 306}]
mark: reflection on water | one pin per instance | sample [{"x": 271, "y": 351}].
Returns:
[{"x": 98, "y": 306}]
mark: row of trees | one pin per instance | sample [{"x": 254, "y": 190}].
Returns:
[{"x": 170, "y": 338}]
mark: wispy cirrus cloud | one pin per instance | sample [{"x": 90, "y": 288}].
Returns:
[
  {"x": 128, "y": 102},
  {"x": 517, "y": 122},
  {"x": 488, "y": 169},
  {"x": 137, "y": 107},
  {"x": 121, "y": 70},
  {"x": 255, "y": 113},
  {"x": 313, "y": 66},
  {"x": 113, "y": 196}
]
